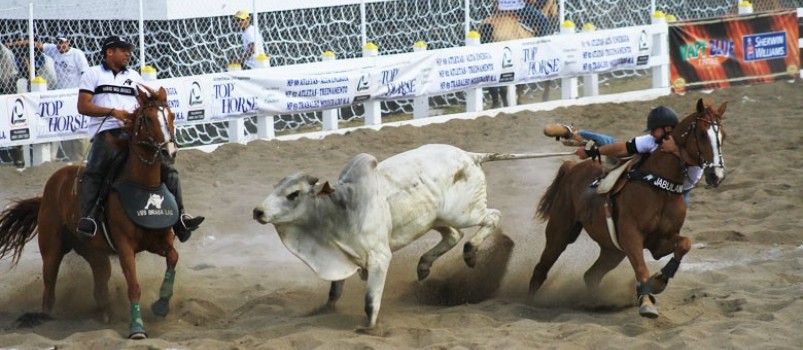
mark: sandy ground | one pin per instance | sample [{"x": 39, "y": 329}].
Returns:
[{"x": 237, "y": 286}]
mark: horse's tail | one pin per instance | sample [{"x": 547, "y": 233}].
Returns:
[
  {"x": 18, "y": 226},
  {"x": 551, "y": 193},
  {"x": 486, "y": 31}
]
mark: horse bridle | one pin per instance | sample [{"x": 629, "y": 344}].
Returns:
[
  {"x": 716, "y": 129},
  {"x": 151, "y": 142}
]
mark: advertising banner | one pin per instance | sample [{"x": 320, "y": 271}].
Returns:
[
  {"x": 747, "y": 49},
  {"x": 19, "y": 125},
  {"x": 57, "y": 116},
  {"x": 52, "y": 116}
]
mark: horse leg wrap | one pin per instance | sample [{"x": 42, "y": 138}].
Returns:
[
  {"x": 166, "y": 291},
  {"x": 671, "y": 267},
  {"x": 643, "y": 289},
  {"x": 136, "y": 326}
]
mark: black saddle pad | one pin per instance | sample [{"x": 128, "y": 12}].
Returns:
[{"x": 149, "y": 207}]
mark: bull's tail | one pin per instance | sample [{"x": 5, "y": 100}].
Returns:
[
  {"x": 551, "y": 193},
  {"x": 18, "y": 226},
  {"x": 490, "y": 157}
]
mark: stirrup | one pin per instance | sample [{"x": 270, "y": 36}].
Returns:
[{"x": 89, "y": 229}]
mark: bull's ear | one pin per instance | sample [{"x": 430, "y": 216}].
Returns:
[{"x": 324, "y": 190}]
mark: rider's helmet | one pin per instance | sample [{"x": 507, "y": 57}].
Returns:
[{"x": 661, "y": 116}]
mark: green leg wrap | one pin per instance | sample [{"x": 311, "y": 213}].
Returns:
[
  {"x": 136, "y": 318},
  {"x": 166, "y": 291}
]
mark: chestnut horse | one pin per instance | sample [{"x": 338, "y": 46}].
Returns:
[
  {"x": 646, "y": 215},
  {"x": 56, "y": 213}
]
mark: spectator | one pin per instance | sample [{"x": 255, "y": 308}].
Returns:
[
  {"x": 529, "y": 13},
  {"x": 69, "y": 63},
  {"x": 250, "y": 38}
]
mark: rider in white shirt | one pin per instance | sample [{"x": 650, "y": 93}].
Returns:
[{"x": 660, "y": 123}]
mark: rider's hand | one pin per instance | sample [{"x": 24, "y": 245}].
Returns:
[
  {"x": 581, "y": 152},
  {"x": 670, "y": 146}
]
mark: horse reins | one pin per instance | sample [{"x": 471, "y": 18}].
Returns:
[
  {"x": 700, "y": 160},
  {"x": 151, "y": 142}
]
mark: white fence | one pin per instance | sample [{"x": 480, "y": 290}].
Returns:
[{"x": 40, "y": 118}]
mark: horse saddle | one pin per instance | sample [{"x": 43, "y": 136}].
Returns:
[
  {"x": 608, "y": 183},
  {"x": 150, "y": 207}
]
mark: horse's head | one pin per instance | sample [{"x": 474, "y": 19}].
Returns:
[
  {"x": 701, "y": 134},
  {"x": 151, "y": 127}
]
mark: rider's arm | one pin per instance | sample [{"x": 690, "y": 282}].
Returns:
[
  {"x": 616, "y": 149},
  {"x": 89, "y": 109}
]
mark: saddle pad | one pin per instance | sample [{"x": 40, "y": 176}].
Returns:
[
  {"x": 607, "y": 183},
  {"x": 150, "y": 207}
]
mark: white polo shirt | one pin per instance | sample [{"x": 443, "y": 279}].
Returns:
[
  {"x": 510, "y": 5},
  {"x": 69, "y": 65},
  {"x": 110, "y": 91},
  {"x": 249, "y": 37}
]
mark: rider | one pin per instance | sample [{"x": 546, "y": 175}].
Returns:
[
  {"x": 660, "y": 123},
  {"x": 109, "y": 90},
  {"x": 529, "y": 13}
]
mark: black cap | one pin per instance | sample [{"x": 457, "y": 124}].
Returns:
[{"x": 115, "y": 41}]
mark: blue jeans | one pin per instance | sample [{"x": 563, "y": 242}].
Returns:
[{"x": 599, "y": 139}]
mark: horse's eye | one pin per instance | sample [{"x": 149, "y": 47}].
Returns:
[{"x": 292, "y": 196}]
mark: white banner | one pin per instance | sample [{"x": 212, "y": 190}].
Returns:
[{"x": 52, "y": 116}]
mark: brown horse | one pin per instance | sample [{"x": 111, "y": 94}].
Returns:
[
  {"x": 646, "y": 213},
  {"x": 56, "y": 213}
]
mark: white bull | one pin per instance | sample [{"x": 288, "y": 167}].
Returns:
[{"x": 375, "y": 209}]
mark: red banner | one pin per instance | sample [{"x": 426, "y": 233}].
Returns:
[{"x": 747, "y": 49}]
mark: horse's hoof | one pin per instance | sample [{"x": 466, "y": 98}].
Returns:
[
  {"x": 137, "y": 333},
  {"x": 161, "y": 307},
  {"x": 648, "y": 311},
  {"x": 32, "y": 319},
  {"x": 423, "y": 273}
]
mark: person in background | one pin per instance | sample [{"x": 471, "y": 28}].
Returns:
[
  {"x": 529, "y": 13},
  {"x": 107, "y": 94},
  {"x": 250, "y": 39},
  {"x": 69, "y": 64}
]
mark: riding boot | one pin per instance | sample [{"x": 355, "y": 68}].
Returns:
[
  {"x": 87, "y": 200},
  {"x": 186, "y": 223},
  {"x": 101, "y": 155}
]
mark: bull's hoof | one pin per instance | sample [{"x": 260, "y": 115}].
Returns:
[
  {"x": 137, "y": 333},
  {"x": 32, "y": 319},
  {"x": 423, "y": 272},
  {"x": 658, "y": 283},
  {"x": 470, "y": 255},
  {"x": 161, "y": 307},
  {"x": 375, "y": 331}
]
